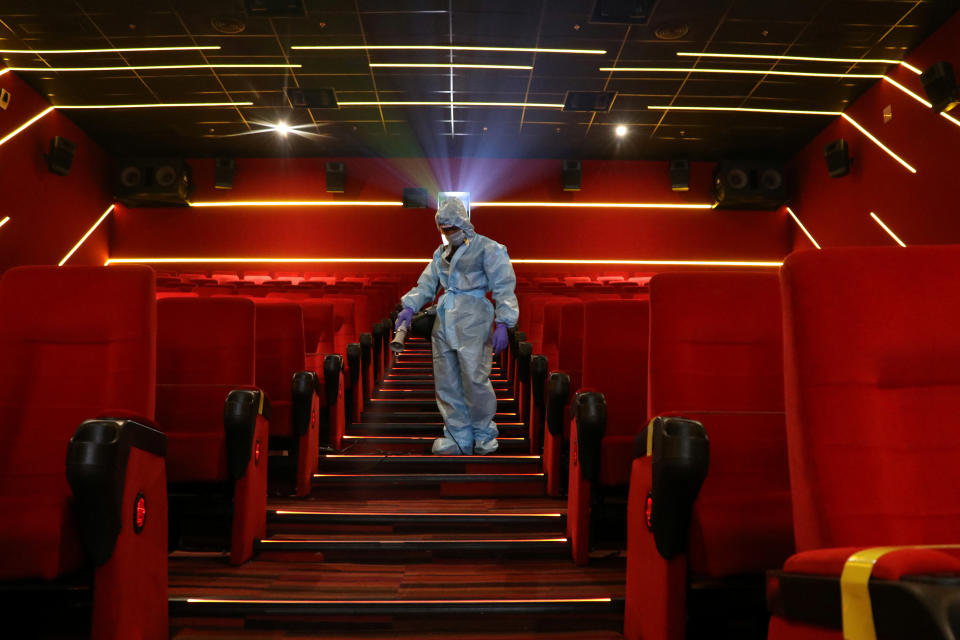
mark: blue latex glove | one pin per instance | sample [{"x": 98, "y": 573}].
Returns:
[
  {"x": 404, "y": 318},
  {"x": 500, "y": 339}
]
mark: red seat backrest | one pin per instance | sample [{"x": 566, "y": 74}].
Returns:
[
  {"x": 75, "y": 343},
  {"x": 280, "y": 354},
  {"x": 570, "y": 342},
  {"x": 615, "y": 334},
  {"x": 872, "y": 377},
  {"x": 715, "y": 343},
  {"x": 320, "y": 324}
]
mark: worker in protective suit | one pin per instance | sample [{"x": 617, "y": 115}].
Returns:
[{"x": 466, "y": 267}]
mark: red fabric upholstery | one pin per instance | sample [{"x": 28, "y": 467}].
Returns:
[
  {"x": 319, "y": 325},
  {"x": 570, "y": 343},
  {"x": 872, "y": 366},
  {"x": 76, "y": 342},
  {"x": 207, "y": 347},
  {"x": 891, "y": 566},
  {"x": 280, "y": 354},
  {"x": 785, "y": 630},
  {"x": 715, "y": 357},
  {"x": 73, "y": 342}
]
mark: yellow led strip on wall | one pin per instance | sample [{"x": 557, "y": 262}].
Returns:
[
  {"x": 594, "y": 205},
  {"x": 4, "y": 221},
  {"x": 889, "y": 231},
  {"x": 115, "y": 50},
  {"x": 3, "y": 71},
  {"x": 869, "y": 135},
  {"x": 153, "y": 67},
  {"x": 877, "y": 142},
  {"x": 803, "y": 228},
  {"x": 87, "y": 235},
  {"x": 759, "y": 56},
  {"x": 432, "y": 65},
  {"x": 698, "y": 263},
  {"x": 153, "y": 105},
  {"x": 447, "y": 103},
  {"x": 298, "y": 203},
  {"x": 25, "y": 125},
  {"x": 922, "y": 101},
  {"x": 757, "y": 72},
  {"x": 430, "y": 47}
]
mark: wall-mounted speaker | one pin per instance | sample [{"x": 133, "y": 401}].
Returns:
[
  {"x": 336, "y": 177},
  {"x": 748, "y": 185},
  {"x": 151, "y": 182},
  {"x": 415, "y": 198},
  {"x": 838, "y": 158},
  {"x": 680, "y": 174},
  {"x": 223, "y": 171},
  {"x": 60, "y": 157},
  {"x": 940, "y": 85},
  {"x": 570, "y": 175}
]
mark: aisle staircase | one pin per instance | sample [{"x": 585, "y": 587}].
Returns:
[{"x": 396, "y": 539}]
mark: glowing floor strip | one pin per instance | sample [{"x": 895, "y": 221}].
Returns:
[
  {"x": 484, "y": 514},
  {"x": 4, "y": 221},
  {"x": 415, "y": 602},
  {"x": 297, "y": 203},
  {"x": 802, "y": 228},
  {"x": 874, "y": 140},
  {"x": 889, "y": 231},
  {"x": 432, "y": 540},
  {"x": 25, "y": 125},
  {"x": 598, "y": 205},
  {"x": 433, "y": 456},
  {"x": 86, "y": 235},
  {"x": 409, "y": 438}
]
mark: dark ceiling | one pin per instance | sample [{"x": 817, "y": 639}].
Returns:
[{"x": 835, "y": 28}]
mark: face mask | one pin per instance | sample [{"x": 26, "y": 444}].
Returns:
[{"x": 456, "y": 239}]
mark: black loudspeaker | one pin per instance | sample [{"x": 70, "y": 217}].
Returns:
[
  {"x": 838, "y": 158},
  {"x": 570, "y": 175},
  {"x": 149, "y": 182},
  {"x": 223, "y": 171},
  {"x": 61, "y": 155},
  {"x": 680, "y": 174},
  {"x": 336, "y": 177},
  {"x": 940, "y": 85},
  {"x": 748, "y": 185},
  {"x": 415, "y": 198}
]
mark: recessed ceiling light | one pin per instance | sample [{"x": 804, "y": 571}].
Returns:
[
  {"x": 282, "y": 128},
  {"x": 621, "y": 130}
]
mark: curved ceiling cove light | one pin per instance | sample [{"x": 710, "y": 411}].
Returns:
[
  {"x": 86, "y": 235},
  {"x": 153, "y": 105},
  {"x": 111, "y": 50},
  {"x": 803, "y": 112},
  {"x": 889, "y": 231},
  {"x": 25, "y": 125},
  {"x": 154, "y": 67},
  {"x": 803, "y": 228},
  {"x": 755, "y": 72},
  {"x": 440, "y": 65},
  {"x": 432, "y": 47}
]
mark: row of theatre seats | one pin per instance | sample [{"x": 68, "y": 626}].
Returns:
[
  {"x": 777, "y": 426},
  {"x": 165, "y": 411}
]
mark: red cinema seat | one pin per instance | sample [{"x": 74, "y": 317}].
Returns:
[
  {"x": 215, "y": 417},
  {"x": 716, "y": 365},
  {"x": 295, "y": 392},
  {"x": 609, "y": 410},
  {"x": 77, "y": 384},
  {"x": 564, "y": 374},
  {"x": 872, "y": 377}
]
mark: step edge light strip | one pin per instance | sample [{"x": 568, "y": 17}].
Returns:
[{"x": 680, "y": 263}]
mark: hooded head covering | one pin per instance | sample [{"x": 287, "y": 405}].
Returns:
[{"x": 453, "y": 213}]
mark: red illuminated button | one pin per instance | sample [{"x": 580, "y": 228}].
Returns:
[{"x": 139, "y": 513}]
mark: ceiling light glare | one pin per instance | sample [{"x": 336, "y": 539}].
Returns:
[{"x": 621, "y": 130}]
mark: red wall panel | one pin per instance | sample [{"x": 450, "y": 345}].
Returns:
[
  {"x": 393, "y": 232},
  {"x": 920, "y": 208},
  {"x": 48, "y": 213}
]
